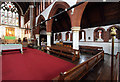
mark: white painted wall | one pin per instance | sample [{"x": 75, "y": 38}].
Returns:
[{"x": 90, "y": 33}]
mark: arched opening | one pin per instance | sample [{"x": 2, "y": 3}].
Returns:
[
  {"x": 61, "y": 24},
  {"x": 41, "y": 30}
]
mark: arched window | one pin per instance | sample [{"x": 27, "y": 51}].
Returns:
[{"x": 9, "y": 14}]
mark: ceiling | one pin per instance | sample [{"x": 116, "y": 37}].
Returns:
[
  {"x": 100, "y": 14},
  {"x": 61, "y": 22},
  {"x": 95, "y": 14},
  {"x": 24, "y": 6}
]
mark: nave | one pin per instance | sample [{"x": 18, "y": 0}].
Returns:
[
  {"x": 28, "y": 66},
  {"x": 60, "y": 41}
]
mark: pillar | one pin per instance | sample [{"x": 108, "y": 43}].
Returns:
[
  {"x": 31, "y": 20},
  {"x": 48, "y": 38},
  {"x": 76, "y": 37}
]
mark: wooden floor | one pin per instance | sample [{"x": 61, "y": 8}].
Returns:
[{"x": 100, "y": 72}]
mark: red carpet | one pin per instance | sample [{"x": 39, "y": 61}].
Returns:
[{"x": 32, "y": 65}]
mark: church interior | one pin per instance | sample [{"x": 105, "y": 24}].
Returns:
[{"x": 59, "y": 40}]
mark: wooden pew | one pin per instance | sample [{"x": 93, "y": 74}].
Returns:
[
  {"x": 81, "y": 70},
  {"x": 90, "y": 49},
  {"x": 64, "y": 51}
]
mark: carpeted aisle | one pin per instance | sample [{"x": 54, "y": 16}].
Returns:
[{"x": 32, "y": 65}]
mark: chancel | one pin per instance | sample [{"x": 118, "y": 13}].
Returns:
[{"x": 58, "y": 40}]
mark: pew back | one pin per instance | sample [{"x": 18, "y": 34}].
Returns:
[{"x": 81, "y": 70}]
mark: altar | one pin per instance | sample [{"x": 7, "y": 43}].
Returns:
[{"x": 10, "y": 47}]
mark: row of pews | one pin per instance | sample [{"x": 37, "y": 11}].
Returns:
[
  {"x": 90, "y": 49},
  {"x": 80, "y": 70},
  {"x": 73, "y": 53},
  {"x": 64, "y": 51}
]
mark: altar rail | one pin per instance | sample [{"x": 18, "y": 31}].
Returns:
[
  {"x": 116, "y": 69},
  {"x": 81, "y": 70}
]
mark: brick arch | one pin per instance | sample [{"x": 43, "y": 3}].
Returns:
[
  {"x": 40, "y": 19},
  {"x": 96, "y": 33},
  {"x": 57, "y": 5},
  {"x": 77, "y": 15},
  {"x": 118, "y": 31}
]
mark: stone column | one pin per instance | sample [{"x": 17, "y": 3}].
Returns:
[
  {"x": 76, "y": 37},
  {"x": 31, "y": 20},
  {"x": 48, "y": 38}
]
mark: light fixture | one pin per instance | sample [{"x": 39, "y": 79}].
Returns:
[
  {"x": 65, "y": 9},
  {"x": 41, "y": 22},
  {"x": 55, "y": 19}
]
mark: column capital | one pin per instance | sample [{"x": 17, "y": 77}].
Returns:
[
  {"x": 48, "y": 33},
  {"x": 75, "y": 28},
  {"x": 31, "y": 6}
]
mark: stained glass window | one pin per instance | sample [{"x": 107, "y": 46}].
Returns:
[{"x": 9, "y": 14}]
